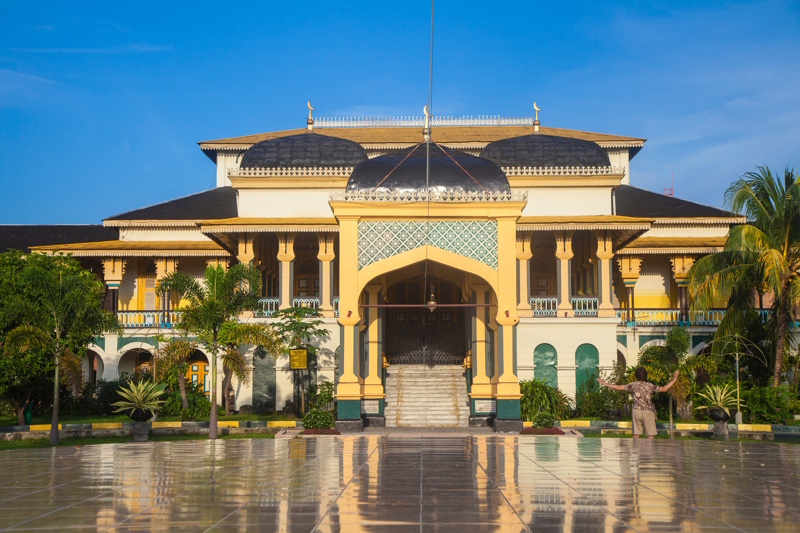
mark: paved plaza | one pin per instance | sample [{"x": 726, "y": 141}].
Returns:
[{"x": 404, "y": 482}]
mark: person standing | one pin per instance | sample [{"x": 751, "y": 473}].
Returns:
[{"x": 644, "y": 412}]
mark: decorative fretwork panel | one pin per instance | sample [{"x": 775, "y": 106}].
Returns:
[{"x": 475, "y": 239}]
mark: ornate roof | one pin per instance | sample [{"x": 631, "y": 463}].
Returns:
[
  {"x": 304, "y": 150},
  {"x": 538, "y": 150},
  {"x": 404, "y": 171}
]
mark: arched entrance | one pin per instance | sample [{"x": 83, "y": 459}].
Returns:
[
  {"x": 197, "y": 371},
  {"x": 136, "y": 361},
  {"x": 93, "y": 367},
  {"x": 433, "y": 326}
]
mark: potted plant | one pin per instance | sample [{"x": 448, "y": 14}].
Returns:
[
  {"x": 719, "y": 400},
  {"x": 141, "y": 401}
]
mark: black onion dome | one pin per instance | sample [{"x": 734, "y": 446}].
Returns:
[
  {"x": 445, "y": 174},
  {"x": 304, "y": 150},
  {"x": 537, "y": 150}
]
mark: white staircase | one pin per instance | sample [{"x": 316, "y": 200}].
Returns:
[{"x": 424, "y": 396}]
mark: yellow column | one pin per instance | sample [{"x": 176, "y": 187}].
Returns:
[
  {"x": 286, "y": 257},
  {"x": 348, "y": 389},
  {"x": 373, "y": 385},
  {"x": 326, "y": 256},
  {"x": 524, "y": 273},
  {"x": 481, "y": 385},
  {"x": 164, "y": 267},
  {"x": 507, "y": 319},
  {"x": 216, "y": 261},
  {"x": 629, "y": 267},
  {"x": 246, "y": 251},
  {"x": 605, "y": 252},
  {"x": 680, "y": 269},
  {"x": 564, "y": 254}
]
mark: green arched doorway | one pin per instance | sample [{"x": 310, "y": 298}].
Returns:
[
  {"x": 587, "y": 358},
  {"x": 545, "y": 359}
]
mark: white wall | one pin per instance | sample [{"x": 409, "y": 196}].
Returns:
[
  {"x": 287, "y": 203},
  {"x": 565, "y": 335},
  {"x": 687, "y": 231},
  {"x": 619, "y": 157},
  {"x": 566, "y": 201}
]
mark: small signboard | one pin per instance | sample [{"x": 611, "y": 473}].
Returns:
[
  {"x": 298, "y": 359},
  {"x": 485, "y": 406}
]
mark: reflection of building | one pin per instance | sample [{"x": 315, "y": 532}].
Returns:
[{"x": 539, "y": 257}]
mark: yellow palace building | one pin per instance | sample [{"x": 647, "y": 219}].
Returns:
[{"x": 449, "y": 260}]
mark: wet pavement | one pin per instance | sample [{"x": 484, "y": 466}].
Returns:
[{"x": 404, "y": 482}]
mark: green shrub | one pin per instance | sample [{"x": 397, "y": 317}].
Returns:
[
  {"x": 319, "y": 419},
  {"x": 539, "y": 397},
  {"x": 199, "y": 404},
  {"x": 593, "y": 400},
  {"x": 544, "y": 420},
  {"x": 769, "y": 405}
]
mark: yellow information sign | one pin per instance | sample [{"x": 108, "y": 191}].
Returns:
[{"x": 298, "y": 359}]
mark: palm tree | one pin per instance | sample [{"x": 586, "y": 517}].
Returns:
[
  {"x": 221, "y": 295},
  {"x": 173, "y": 353},
  {"x": 233, "y": 335},
  {"x": 761, "y": 256},
  {"x": 63, "y": 314}
]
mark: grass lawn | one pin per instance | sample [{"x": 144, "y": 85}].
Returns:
[
  {"x": 89, "y": 419},
  {"x": 43, "y": 443}
]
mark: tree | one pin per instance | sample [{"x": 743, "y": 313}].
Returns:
[
  {"x": 662, "y": 361},
  {"x": 298, "y": 327},
  {"x": 761, "y": 256},
  {"x": 233, "y": 335},
  {"x": 175, "y": 353},
  {"x": 59, "y": 312},
  {"x": 221, "y": 295}
]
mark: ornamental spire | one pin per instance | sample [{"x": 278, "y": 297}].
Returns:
[
  {"x": 426, "y": 130},
  {"x": 535, "y": 119},
  {"x": 310, "y": 120}
]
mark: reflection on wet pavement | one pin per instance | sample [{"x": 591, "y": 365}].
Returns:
[{"x": 404, "y": 482}]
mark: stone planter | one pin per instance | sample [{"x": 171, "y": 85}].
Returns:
[
  {"x": 141, "y": 427},
  {"x": 141, "y": 431},
  {"x": 720, "y": 418}
]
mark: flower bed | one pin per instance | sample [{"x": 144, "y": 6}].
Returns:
[{"x": 541, "y": 431}]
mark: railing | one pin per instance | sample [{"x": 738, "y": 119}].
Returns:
[
  {"x": 269, "y": 306},
  {"x": 544, "y": 306},
  {"x": 309, "y": 303},
  {"x": 583, "y": 306},
  {"x": 336, "y": 307},
  {"x": 653, "y": 317},
  {"x": 709, "y": 317},
  {"x": 148, "y": 319},
  {"x": 622, "y": 316}
]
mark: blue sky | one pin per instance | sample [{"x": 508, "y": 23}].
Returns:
[{"x": 101, "y": 104}]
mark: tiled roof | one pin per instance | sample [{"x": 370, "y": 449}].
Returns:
[
  {"x": 139, "y": 248},
  {"x": 23, "y": 237},
  {"x": 304, "y": 150},
  {"x": 635, "y": 202},
  {"x": 215, "y": 203},
  {"x": 538, "y": 150}
]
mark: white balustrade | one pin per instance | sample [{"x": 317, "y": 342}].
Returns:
[
  {"x": 622, "y": 316},
  {"x": 148, "y": 319},
  {"x": 656, "y": 317},
  {"x": 584, "y": 306},
  {"x": 336, "y": 307},
  {"x": 708, "y": 317},
  {"x": 544, "y": 306},
  {"x": 269, "y": 306},
  {"x": 309, "y": 303}
]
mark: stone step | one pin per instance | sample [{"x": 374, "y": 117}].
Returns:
[{"x": 423, "y": 396}]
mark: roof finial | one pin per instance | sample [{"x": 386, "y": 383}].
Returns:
[
  {"x": 310, "y": 121},
  {"x": 536, "y": 118},
  {"x": 426, "y": 131}
]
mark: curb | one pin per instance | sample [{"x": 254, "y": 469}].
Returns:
[
  {"x": 103, "y": 428},
  {"x": 774, "y": 429}
]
